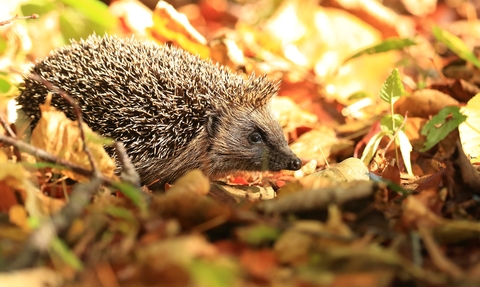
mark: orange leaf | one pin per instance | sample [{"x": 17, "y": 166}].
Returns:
[{"x": 171, "y": 26}]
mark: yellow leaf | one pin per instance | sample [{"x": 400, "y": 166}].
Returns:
[
  {"x": 60, "y": 136},
  {"x": 469, "y": 130},
  {"x": 18, "y": 216},
  {"x": 171, "y": 26}
]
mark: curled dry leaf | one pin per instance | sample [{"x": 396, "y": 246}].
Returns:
[
  {"x": 314, "y": 199},
  {"x": 178, "y": 250},
  {"x": 318, "y": 143},
  {"x": 58, "y": 135},
  {"x": 306, "y": 169},
  {"x": 424, "y": 103},
  {"x": 348, "y": 170},
  {"x": 250, "y": 192},
  {"x": 171, "y": 26},
  {"x": 193, "y": 181},
  {"x": 186, "y": 202},
  {"x": 294, "y": 245}
]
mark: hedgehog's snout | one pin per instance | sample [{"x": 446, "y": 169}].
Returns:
[
  {"x": 295, "y": 164},
  {"x": 285, "y": 159}
]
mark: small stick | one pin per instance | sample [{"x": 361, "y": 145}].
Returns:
[
  {"x": 3, "y": 23},
  {"x": 129, "y": 174}
]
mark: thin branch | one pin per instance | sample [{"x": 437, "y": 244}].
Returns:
[
  {"x": 3, "y": 23},
  {"x": 52, "y": 158},
  {"x": 129, "y": 173}
]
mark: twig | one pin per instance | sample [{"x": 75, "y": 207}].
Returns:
[
  {"x": 49, "y": 157},
  {"x": 33, "y": 16},
  {"x": 10, "y": 133},
  {"x": 7, "y": 127},
  {"x": 315, "y": 199},
  {"x": 438, "y": 258},
  {"x": 129, "y": 173}
]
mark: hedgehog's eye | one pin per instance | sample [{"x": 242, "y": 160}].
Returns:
[{"x": 255, "y": 138}]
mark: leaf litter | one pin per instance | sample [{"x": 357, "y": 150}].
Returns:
[{"x": 406, "y": 216}]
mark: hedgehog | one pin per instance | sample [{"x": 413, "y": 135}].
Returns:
[{"x": 173, "y": 111}]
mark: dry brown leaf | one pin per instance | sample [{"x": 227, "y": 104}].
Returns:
[
  {"x": 259, "y": 263},
  {"x": 193, "y": 181},
  {"x": 58, "y": 135},
  {"x": 317, "y": 144},
  {"x": 294, "y": 245},
  {"x": 319, "y": 198},
  {"x": 424, "y": 103},
  {"x": 171, "y": 26},
  {"x": 179, "y": 249},
  {"x": 50, "y": 205},
  {"x": 186, "y": 201},
  {"x": 415, "y": 213},
  {"x": 249, "y": 192},
  {"x": 348, "y": 170}
]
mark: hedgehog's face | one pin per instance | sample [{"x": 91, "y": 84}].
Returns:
[{"x": 248, "y": 140}]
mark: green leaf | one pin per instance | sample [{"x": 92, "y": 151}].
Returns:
[
  {"x": 448, "y": 119},
  {"x": 40, "y": 7},
  {"x": 389, "y": 125},
  {"x": 392, "y": 88},
  {"x": 121, "y": 212},
  {"x": 133, "y": 193},
  {"x": 39, "y": 165},
  {"x": 95, "y": 11},
  {"x": 5, "y": 85},
  {"x": 359, "y": 95},
  {"x": 62, "y": 250},
  {"x": 3, "y": 45},
  {"x": 405, "y": 150},
  {"x": 455, "y": 44},
  {"x": 385, "y": 46},
  {"x": 210, "y": 273},
  {"x": 257, "y": 234}
]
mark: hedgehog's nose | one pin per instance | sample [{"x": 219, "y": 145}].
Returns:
[{"x": 295, "y": 164}]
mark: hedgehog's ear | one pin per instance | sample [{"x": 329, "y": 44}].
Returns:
[{"x": 213, "y": 123}]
